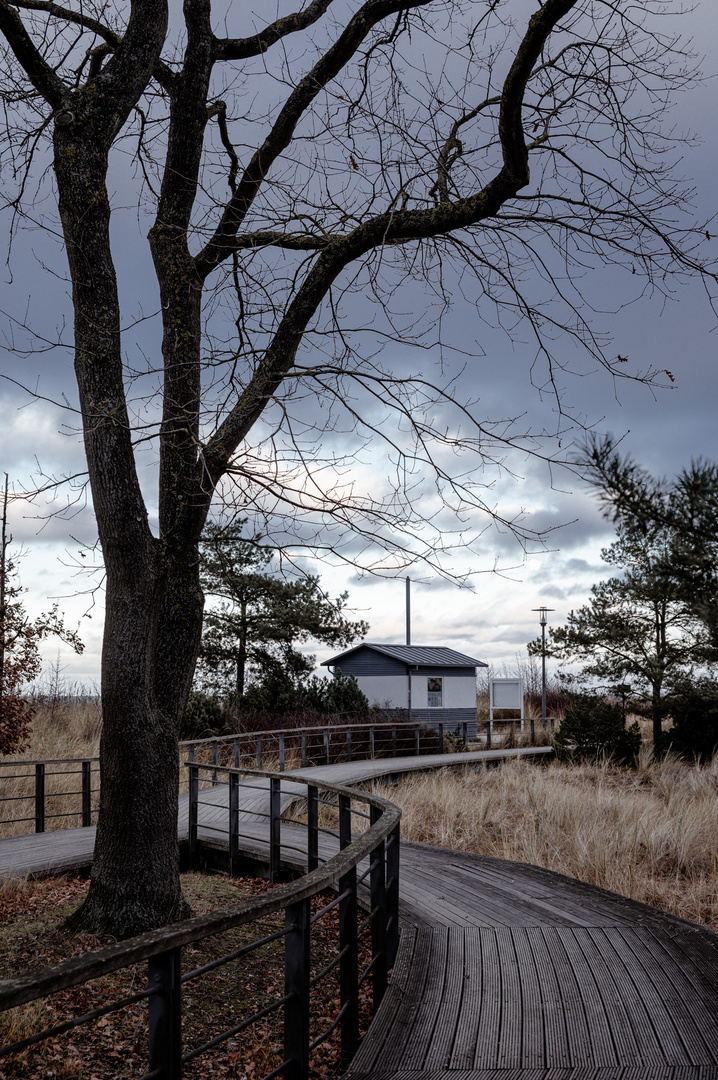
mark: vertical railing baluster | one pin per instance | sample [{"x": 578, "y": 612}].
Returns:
[
  {"x": 304, "y": 749},
  {"x": 416, "y": 740},
  {"x": 349, "y": 744},
  {"x": 190, "y": 752},
  {"x": 348, "y": 943},
  {"x": 193, "y": 813},
  {"x": 259, "y": 751},
  {"x": 326, "y": 746},
  {"x": 465, "y": 734},
  {"x": 392, "y": 895},
  {"x": 214, "y": 761},
  {"x": 441, "y": 738},
  {"x": 165, "y": 1013},
  {"x": 533, "y": 731},
  {"x": 377, "y": 904},
  {"x": 39, "y": 797},
  {"x": 86, "y": 794},
  {"x": 296, "y": 983},
  {"x": 371, "y": 742},
  {"x": 234, "y": 857},
  {"x": 275, "y": 852},
  {"x": 312, "y": 828},
  {"x": 393, "y": 740},
  {"x": 489, "y": 727},
  {"x": 238, "y": 752},
  {"x": 281, "y": 751}
]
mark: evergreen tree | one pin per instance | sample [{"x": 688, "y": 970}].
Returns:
[
  {"x": 251, "y": 633},
  {"x": 636, "y": 628}
]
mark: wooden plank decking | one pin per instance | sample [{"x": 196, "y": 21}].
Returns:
[{"x": 504, "y": 971}]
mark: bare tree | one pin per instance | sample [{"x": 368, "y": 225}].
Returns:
[{"x": 347, "y": 150}]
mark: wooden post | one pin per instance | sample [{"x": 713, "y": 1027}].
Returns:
[
  {"x": 238, "y": 752},
  {"x": 441, "y": 738},
  {"x": 489, "y": 726},
  {"x": 392, "y": 895},
  {"x": 326, "y": 746},
  {"x": 275, "y": 852},
  {"x": 349, "y": 744},
  {"x": 165, "y": 1014},
  {"x": 371, "y": 742},
  {"x": 393, "y": 740},
  {"x": 312, "y": 828},
  {"x": 416, "y": 740},
  {"x": 377, "y": 883},
  {"x": 296, "y": 983},
  {"x": 193, "y": 812},
  {"x": 39, "y": 797},
  {"x": 259, "y": 751},
  {"x": 234, "y": 856},
  {"x": 349, "y": 965},
  {"x": 304, "y": 749},
  {"x": 214, "y": 761},
  {"x": 86, "y": 794},
  {"x": 281, "y": 751}
]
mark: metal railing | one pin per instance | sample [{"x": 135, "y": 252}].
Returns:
[
  {"x": 378, "y": 846},
  {"x": 66, "y": 790},
  {"x": 47, "y": 793}
]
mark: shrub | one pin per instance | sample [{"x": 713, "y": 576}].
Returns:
[
  {"x": 593, "y": 728},
  {"x": 203, "y": 717},
  {"x": 694, "y": 708}
]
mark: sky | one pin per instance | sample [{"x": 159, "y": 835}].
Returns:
[{"x": 662, "y": 429}]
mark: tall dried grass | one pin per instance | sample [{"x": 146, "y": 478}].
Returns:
[
  {"x": 60, "y": 730},
  {"x": 650, "y": 833}
]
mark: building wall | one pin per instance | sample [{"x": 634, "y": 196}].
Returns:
[
  {"x": 370, "y": 663},
  {"x": 384, "y": 690},
  {"x": 391, "y": 691}
]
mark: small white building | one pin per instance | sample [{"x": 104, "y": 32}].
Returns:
[{"x": 430, "y": 682}]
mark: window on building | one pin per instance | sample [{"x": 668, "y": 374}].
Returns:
[{"x": 434, "y": 687}]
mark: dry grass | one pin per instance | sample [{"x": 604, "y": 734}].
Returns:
[
  {"x": 59, "y": 731},
  {"x": 649, "y": 833}
]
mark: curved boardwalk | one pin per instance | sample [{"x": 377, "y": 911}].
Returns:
[{"x": 505, "y": 971}]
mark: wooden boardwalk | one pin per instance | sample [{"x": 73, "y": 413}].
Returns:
[{"x": 506, "y": 971}]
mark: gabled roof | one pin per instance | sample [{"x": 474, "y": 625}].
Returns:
[{"x": 415, "y": 655}]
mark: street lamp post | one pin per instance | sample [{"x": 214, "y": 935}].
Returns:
[{"x": 543, "y": 612}]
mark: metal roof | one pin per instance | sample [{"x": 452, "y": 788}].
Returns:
[{"x": 415, "y": 655}]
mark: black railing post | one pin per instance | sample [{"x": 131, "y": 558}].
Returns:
[
  {"x": 193, "y": 811},
  {"x": 296, "y": 983},
  {"x": 349, "y": 744},
  {"x": 441, "y": 738},
  {"x": 377, "y": 884},
  {"x": 326, "y": 746},
  {"x": 371, "y": 742},
  {"x": 489, "y": 726},
  {"x": 304, "y": 749},
  {"x": 349, "y": 965},
  {"x": 238, "y": 752},
  {"x": 259, "y": 751},
  {"x": 393, "y": 740},
  {"x": 345, "y": 821},
  {"x": 281, "y": 751},
  {"x": 312, "y": 828},
  {"x": 533, "y": 731},
  {"x": 190, "y": 752},
  {"x": 392, "y": 895},
  {"x": 234, "y": 858},
  {"x": 214, "y": 761},
  {"x": 165, "y": 1013},
  {"x": 274, "y": 834},
  {"x": 86, "y": 794},
  {"x": 39, "y": 797},
  {"x": 416, "y": 740},
  {"x": 465, "y": 733}
]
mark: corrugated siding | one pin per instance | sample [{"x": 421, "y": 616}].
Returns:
[{"x": 453, "y": 672}]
